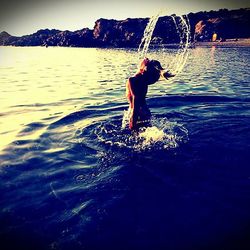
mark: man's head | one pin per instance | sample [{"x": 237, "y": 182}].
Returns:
[
  {"x": 149, "y": 65},
  {"x": 151, "y": 69}
]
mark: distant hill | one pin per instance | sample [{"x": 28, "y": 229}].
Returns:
[{"x": 128, "y": 33}]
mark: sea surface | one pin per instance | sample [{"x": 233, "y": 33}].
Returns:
[{"x": 73, "y": 177}]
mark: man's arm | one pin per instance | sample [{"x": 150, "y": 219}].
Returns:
[
  {"x": 134, "y": 105},
  {"x": 128, "y": 93}
]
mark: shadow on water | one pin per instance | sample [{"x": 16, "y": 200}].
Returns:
[{"x": 88, "y": 183}]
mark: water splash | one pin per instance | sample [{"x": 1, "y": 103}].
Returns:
[
  {"x": 183, "y": 29},
  {"x": 162, "y": 135},
  {"x": 146, "y": 39},
  {"x": 182, "y": 26},
  {"x": 125, "y": 118}
]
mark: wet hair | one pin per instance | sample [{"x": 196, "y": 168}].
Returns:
[
  {"x": 152, "y": 72},
  {"x": 152, "y": 77},
  {"x": 151, "y": 69}
]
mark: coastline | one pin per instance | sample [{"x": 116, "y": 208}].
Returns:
[
  {"x": 204, "y": 27},
  {"x": 236, "y": 42},
  {"x": 230, "y": 43}
]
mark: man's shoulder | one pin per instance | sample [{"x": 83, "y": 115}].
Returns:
[
  {"x": 131, "y": 81},
  {"x": 134, "y": 78}
]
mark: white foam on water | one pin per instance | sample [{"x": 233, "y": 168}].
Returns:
[
  {"x": 151, "y": 135},
  {"x": 125, "y": 118},
  {"x": 163, "y": 134}
]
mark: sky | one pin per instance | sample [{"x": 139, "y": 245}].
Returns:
[{"x": 22, "y": 17}]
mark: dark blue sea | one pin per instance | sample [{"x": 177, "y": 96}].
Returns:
[{"x": 73, "y": 177}]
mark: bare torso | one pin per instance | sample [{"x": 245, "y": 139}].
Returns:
[{"x": 136, "y": 91}]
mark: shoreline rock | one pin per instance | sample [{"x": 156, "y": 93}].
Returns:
[{"x": 220, "y": 26}]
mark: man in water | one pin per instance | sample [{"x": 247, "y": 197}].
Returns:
[{"x": 136, "y": 91}]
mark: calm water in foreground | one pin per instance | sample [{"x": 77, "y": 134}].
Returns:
[{"x": 72, "y": 177}]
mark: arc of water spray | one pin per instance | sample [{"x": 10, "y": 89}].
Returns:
[
  {"x": 148, "y": 32},
  {"x": 183, "y": 30},
  {"x": 182, "y": 55}
]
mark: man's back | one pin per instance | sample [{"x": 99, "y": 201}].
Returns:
[{"x": 138, "y": 87}]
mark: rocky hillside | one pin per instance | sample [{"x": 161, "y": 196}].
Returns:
[
  {"x": 128, "y": 33},
  {"x": 226, "y": 24}
]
